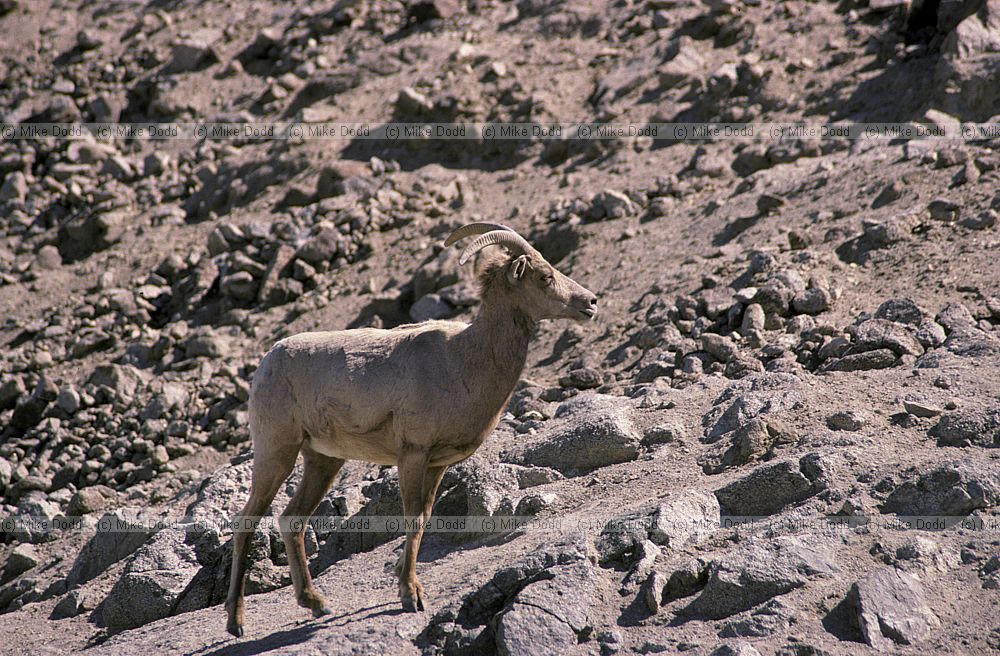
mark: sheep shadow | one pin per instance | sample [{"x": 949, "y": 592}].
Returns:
[{"x": 295, "y": 636}]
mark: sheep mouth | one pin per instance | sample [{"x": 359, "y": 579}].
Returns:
[{"x": 590, "y": 313}]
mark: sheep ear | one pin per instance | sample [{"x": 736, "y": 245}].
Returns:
[{"x": 517, "y": 268}]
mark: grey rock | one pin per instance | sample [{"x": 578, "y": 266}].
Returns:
[
  {"x": 533, "y": 476},
  {"x": 90, "y": 232},
  {"x": 943, "y": 209},
  {"x": 652, "y": 591},
  {"x": 770, "y": 618},
  {"x": 205, "y": 343},
  {"x": 930, "y": 334},
  {"x": 549, "y": 616},
  {"x": 430, "y": 306},
  {"x": 76, "y": 602},
  {"x": 890, "y": 608},
  {"x": 116, "y": 538},
  {"x": 955, "y": 489},
  {"x": 10, "y": 391},
  {"x": 48, "y": 258},
  {"x": 768, "y": 203},
  {"x": 195, "y": 52},
  {"x": 155, "y": 164},
  {"x": 665, "y": 433},
  {"x": 322, "y": 247},
  {"x": 736, "y": 649},
  {"x": 972, "y": 343},
  {"x": 955, "y": 316},
  {"x": 68, "y": 400},
  {"x": 846, "y": 420},
  {"x": 755, "y": 573},
  {"x": 775, "y": 298},
  {"x": 124, "y": 380},
  {"x": 610, "y": 204},
  {"x": 752, "y": 441},
  {"x": 983, "y": 221},
  {"x": 582, "y": 378},
  {"x": 921, "y": 408},
  {"x": 424, "y": 10},
  {"x": 968, "y": 427},
  {"x": 6, "y": 471},
  {"x": 240, "y": 285},
  {"x": 719, "y": 347},
  {"x": 152, "y": 582},
  {"x": 14, "y": 188},
  {"x": 812, "y": 301},
  {"x": 335, "y": 179},
  {"x": 532, "y": 504},
  {"x": 882, "y": 234},
  {"x": 89, "y": 500},
  {"x": 279, "y": 262},
  {"x": 475, "y": 487},
  {"x": 461, "y": 294},
  {"x": 684, "y": 65},
  {"x": 22, "y": 558},
  {"x": 902, "y": 310},
  {"x": 29, "y": 411},
  {"x": 118, "y": 167},
  {"x": 753, "y": 319},
  {"x": 598, "y": 432},
  {"x": 879, "y": 334},
  {"x": 411, "y": 101},
  {"x": 877, "y": 359},
  {"x": 754, "y": 396},
  {"x": 769, "y": 488},
  {"x": 684, "y": 519}
]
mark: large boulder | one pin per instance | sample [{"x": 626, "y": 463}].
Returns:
[
  {"x": 752, "y": 574},
  {"x": 889, "y": 607},
  {"x": 968, "y": 427},
  {"x": 550, "y": 615},
  {"x": 151, "y": 583},
  {"x": 953, "y": 489},
  {"x": 118, "y": 536},
  {"x": 596, "y": 431},
  {"x": 749, "y": 398},
  {"x": 770, "y": 488}
]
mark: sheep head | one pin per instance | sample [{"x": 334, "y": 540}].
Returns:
[{"x": 538, "y": 289}]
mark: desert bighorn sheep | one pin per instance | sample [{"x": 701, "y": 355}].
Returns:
[{"x": 421, "y": 396}]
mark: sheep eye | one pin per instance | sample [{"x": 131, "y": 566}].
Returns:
[{"x": 548, "y": 279}]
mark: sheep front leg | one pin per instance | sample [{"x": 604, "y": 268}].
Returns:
[{"x": 418, "y": 484}]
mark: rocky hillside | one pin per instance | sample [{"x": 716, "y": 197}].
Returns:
[{"x": 800, "y": 329}]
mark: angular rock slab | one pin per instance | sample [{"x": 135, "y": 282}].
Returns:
[
  {"x": 769, "y": 488},
  {"x": 547, "y": 617},
  {"x": 953, "y": 489},
  {"x": 889, "y": 608},
  {"x": 598, "y": 432},
  {"x": 152, "y": 583},
  {"x": 749, "y": 576}
]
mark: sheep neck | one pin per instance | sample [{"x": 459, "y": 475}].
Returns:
[{"x": 501, "y": 333}]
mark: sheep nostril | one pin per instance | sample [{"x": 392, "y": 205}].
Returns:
[{"x": 593, "y": 301}]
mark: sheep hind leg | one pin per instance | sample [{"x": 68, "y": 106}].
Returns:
[
  {"x": 317, "y": 476},
  {"x": 418, "y": 484},
  {"x": 269, "y": 472}
]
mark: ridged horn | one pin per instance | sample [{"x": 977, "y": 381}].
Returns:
[
  {"x": 515, "y": 242},
  {"x": 471, "y": 229}
]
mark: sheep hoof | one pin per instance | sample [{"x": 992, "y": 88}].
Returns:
[
  {"x": 409, "y": 606},
  {"x": 236, "y": 630},
  {"x": 321, "y": 611}
]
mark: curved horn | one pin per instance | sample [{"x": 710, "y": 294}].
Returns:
[
  {"x": 506, "y": 237},
  {"x": 471, "y": 229}
]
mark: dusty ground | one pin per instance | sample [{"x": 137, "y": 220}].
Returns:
[{"x": 133, "y": 253}]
